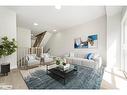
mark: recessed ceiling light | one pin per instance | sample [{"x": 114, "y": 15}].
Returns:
[
  {"x": 58, "y": 7},
  {"x": 35, "y": 24},
  {"x": 54, "y": 30}
]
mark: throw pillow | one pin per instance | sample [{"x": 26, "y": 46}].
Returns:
[
  {"x": 31, "y": 56},
  {"x": 46, "y": 55},
  {"x": 90, "y": 56}
]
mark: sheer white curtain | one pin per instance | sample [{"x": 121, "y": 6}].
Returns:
[{"x": 124, "y": 46}]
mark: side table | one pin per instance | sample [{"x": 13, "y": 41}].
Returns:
[{"x": 5, "y": 68}]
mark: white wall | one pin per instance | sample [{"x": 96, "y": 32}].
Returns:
[
  {"x": 23, "y": 37},
  {"x": 63, "y": 42},
  {"x": 113, "y": 40},
  {"x": 32, "y": 42},
  {"x": 8, "y": 28},
  {"x": 24, "y": 42}
]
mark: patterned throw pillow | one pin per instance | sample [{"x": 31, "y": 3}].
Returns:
[{"x": 90, "y": 56}]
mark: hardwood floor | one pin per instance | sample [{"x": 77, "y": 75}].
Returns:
[{"x": 13, "y": 79}]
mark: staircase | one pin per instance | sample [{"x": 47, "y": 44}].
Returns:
[
  {"x": 39, "y": 39},
  {"x": 47, "y": 50},
  {"x": 42, "y": 39}
]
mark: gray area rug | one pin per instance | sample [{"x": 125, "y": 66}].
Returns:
[{"x": 84, "y": 78}]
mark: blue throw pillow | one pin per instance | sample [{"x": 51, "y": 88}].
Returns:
[{"x": 90, "y": 56}]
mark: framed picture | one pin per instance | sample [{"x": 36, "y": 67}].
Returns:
[
  {"x": 91, "y": 42},
  {"x": 77, "y": 43}
]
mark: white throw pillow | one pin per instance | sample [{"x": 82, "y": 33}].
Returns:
[
  {"x": 46, "y": 55},
  {"x": 32, "y": 56},
  {"x": 71, "y": 54}
]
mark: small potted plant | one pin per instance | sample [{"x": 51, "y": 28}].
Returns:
[
  {"x": 57, "y": 61},
  {"x": 61, "y": 62}
]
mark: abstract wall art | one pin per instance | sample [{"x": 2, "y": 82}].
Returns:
[{"x": 91, "y": 42}]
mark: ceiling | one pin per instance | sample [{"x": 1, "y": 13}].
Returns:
[
  {"x": 112, "y": 10},
  {"x": 50, "y": 18}
]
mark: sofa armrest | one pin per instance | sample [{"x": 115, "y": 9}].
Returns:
[
  {"x": 69, "y": 60},
  {"x": 48, "y": 59},
  {"x": 98, "y": 60},
  {"x": 37, "y": 58}
]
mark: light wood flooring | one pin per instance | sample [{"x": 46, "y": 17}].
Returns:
[
  {"x": 114, "y": 79},
  {"x": 13, "y": 79}
]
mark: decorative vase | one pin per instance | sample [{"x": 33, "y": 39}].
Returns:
[{"x": 64, "y": 67}]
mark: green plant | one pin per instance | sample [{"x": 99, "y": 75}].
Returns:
[
  {"x": 60, "y": 61},
  {"x": 57, "y": 62},
  {"x": 7, "y": 47},
  {"x": 1, "y": 51}
]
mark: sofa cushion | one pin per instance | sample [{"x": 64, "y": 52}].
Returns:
[
  {"x": 81, "y": 55},
  {"x": 48, "y": 59},
  {"x": 46, "y": 55},
  {"x": 71, "y": 54},
  {"x": 30, "y": 62},
  {"x": 82, "y": 62},
  {"x": 81, "y": 59}
]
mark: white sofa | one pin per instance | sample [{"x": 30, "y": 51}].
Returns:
[
  {"x": 32, "y": 59},
  {"x": 81, "y": 59}
]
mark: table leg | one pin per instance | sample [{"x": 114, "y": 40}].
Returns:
[
  {"x": 47, "y": 69},
  {"x": 75, "y": 68},
  {"x": 64, "y": 81}
]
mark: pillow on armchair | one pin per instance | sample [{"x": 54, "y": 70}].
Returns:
[
  {"x": 31, "y": 56},
  {"x": 46, "y": 55},
  {"x": 32, "y": 59}
]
